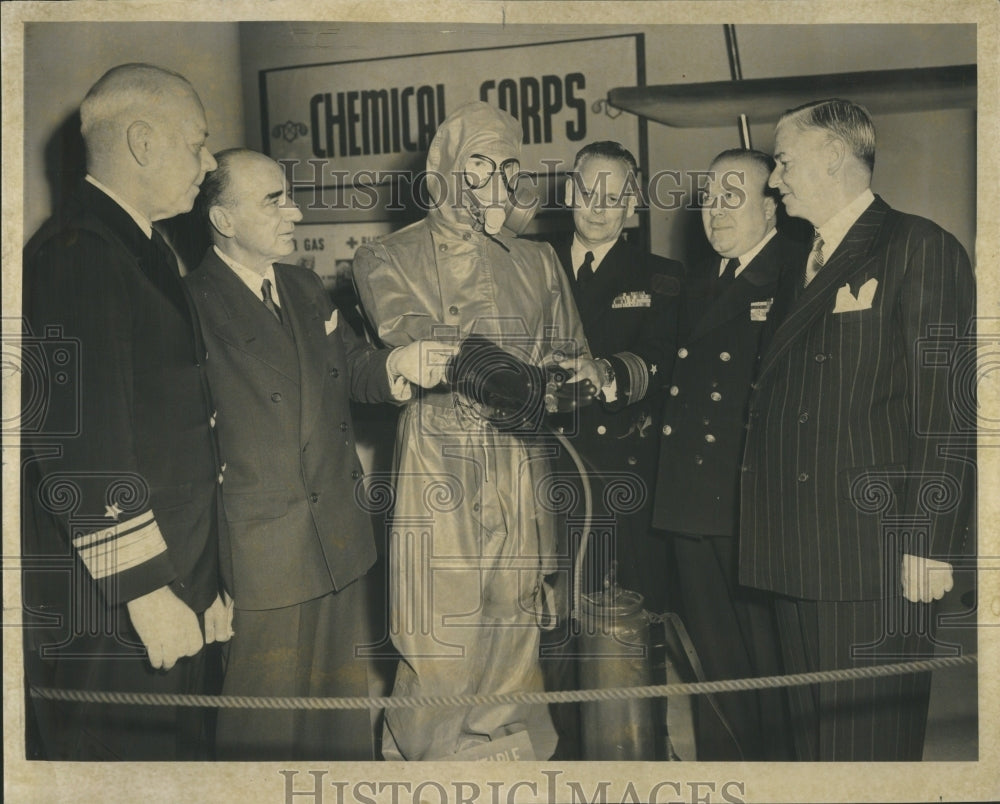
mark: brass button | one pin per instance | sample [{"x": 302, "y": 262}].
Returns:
[
  {"x": 715, "y": 396},
  {"x": 674, "y": 390},
  {"x": 453, "y": 310},
  {"x": 803, "y": 477},
  {"x": 601, "y": 429},
  {"x": 314, "y": 497},
  {"x": 334, "y": 373},
  {"x": 275, "y": 397},
  {"x": 682, "y": 353},
  {"x": 710, "y": 438},
  {"x": 803, "y": 418},
  {"x": 667, "y": 429},
  {"x": 725, "y": 357}
]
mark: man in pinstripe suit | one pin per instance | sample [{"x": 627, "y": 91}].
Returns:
[{"x": 857, "y": 480}]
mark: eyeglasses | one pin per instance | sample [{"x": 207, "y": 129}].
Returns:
[{"x": 479, "y": 170}]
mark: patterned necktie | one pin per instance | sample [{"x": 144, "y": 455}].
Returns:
[
  {"x": 815, "y": 261},
  {"x": 586, "y": 272},
  {"x": 265, "y": 292}
]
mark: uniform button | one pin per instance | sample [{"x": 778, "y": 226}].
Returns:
[
  {"x": 211, "y": 419},
  {"x": 275, "y": 397},
  {"x": 632, "y": 461},
  {"x": 314, "y": 497},
  {"x": 467, "y": 236},
  {"x": 819, "y": 358},
  {"x": 715, "y": 396},
  {"x": 223, "y": 467},
  {"x": 443, "y": 247},
  {"x": 601, "y": 429},
  {"x": 803, "y": 418},
  {"x": 453, "y": 310},
  {"x": 475, "y": 506},
  {"x": 667, "y": 429},
  {"x": 219, "y": 478},
  {"x": 355, "y": 474},
  {"x": 725, "y": 357},
  {"x": 674, "y": 390},
  {"x": 682, "y": 353},
  {"x": 559, "y": 430},
  {"x": 710, "y": 438},
  {"x": 803, "y": 477},
  {"x": 699, "y": 460},
  {"x": 343, "y": 427},
  {"x": 705, "y": 422},
  {"x": 714, "y": 383},
  {"x": 334, "y": 373}
]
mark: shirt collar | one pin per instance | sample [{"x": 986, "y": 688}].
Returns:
[
  {"x": 747, "y": 256},
  {"x": 578, "y": 252},
  {"x": 834, "y": 230},
  {"x": 140, "y": 220},
  {"x": 250, "y": 278}
]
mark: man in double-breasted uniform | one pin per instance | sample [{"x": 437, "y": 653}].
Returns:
[
  {"x": 629, "y": 303},
  {"x": 283, "y": 368},
  {"x": 728, "y": 307}
]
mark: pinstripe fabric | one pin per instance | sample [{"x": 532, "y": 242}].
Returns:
[
  {"x": 864, "y": 720},
  {"x": 855, "y": 456},
  {"x": 852, "y": 445}
]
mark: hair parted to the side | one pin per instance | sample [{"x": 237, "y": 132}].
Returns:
[
  {"x": 607, "y": 149},
  {"x": 844, "y": 119}
]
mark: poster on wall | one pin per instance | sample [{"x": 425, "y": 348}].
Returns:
[
  {"x": 328, "y": 249},
  {"x": 361, "y": 122}
]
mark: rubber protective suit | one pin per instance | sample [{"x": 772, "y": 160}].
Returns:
[{"x": 471, "y": 540}]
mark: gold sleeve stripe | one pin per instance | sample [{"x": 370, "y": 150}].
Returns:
[
  {"x": 122, "y": 550},
  {"x": 116, "y": 531},
  {"x": 637, "y": 374}
]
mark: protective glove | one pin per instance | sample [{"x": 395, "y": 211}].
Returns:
[{"x": 510, "y": 391}]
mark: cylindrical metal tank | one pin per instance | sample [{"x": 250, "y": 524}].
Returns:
[{"x": 615, "y": 652}]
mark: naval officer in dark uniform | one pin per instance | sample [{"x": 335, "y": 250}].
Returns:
[{"x": 728, "y": 310}]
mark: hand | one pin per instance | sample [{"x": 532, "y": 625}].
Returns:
[
  {"x": 167, "y": 627},
  {"x": 925, "y": 579},
  {"x": 584, "y": 368},
  {"x": 422, "y": 362},
  {"x": 219, "y": 619}
]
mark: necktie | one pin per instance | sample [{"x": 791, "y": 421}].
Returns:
[
  {"x": 729, "y": 272},
  {"x": 586, "y": 272},
  {"x": 815, "y": 261},
  {"x": 265, "y": 292}
]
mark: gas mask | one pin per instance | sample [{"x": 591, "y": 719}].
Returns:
[{"x": 500, "y": 199}]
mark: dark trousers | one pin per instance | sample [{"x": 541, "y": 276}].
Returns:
[
  {"x": 733, "y": 628},
  {"x": 59, "y": 730},
  {"x": 864, "y": 720},
  {"x": 314, "y": 649}
]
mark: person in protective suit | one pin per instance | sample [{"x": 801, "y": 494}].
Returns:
[{"x": 471, "y": 540}]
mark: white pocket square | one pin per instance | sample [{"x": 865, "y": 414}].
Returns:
[
  {"x": 331, "y": 323},
  {"x": 847, "y": 302}
]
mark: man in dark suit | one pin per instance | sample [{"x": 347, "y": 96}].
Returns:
[
  {"x": 628, "y": 302},
  {"x": 283, "y": 369},
  {"x": 122, "y": 483},
  {"x": 729, "y": 302},
  {"x": 857, "y": 482}
]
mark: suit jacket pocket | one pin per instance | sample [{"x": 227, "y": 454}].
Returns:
[{"x": 257, "y": 506}]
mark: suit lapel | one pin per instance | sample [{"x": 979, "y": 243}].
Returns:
[
  {"x": 850, "y": 257},
  {"x": 311, "y": 342},
  {"x": 237, "y": 317}
]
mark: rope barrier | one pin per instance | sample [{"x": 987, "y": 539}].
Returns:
[{"x": 556, "y": 696}]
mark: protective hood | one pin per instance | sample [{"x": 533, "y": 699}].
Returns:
[{"x": 474, "y": 128}]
